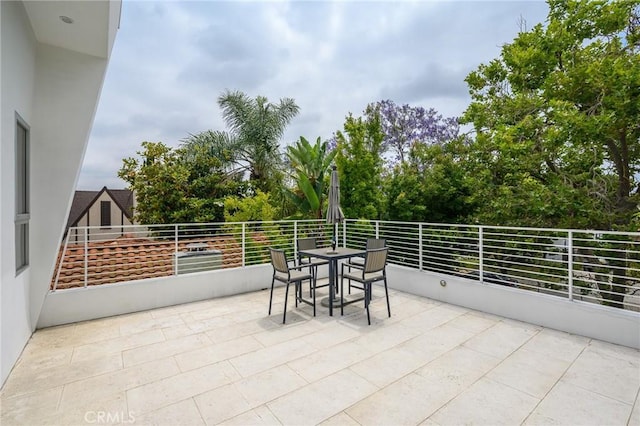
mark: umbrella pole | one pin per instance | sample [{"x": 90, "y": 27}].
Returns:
[
  {"x": 336, "y": 299},
  {"x": 334, "y": 244},
  {"x": 334, "y": 241}
]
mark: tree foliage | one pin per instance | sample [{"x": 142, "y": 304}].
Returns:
[
  {"x": 216, "y": 144},
  {"x": 257, "y": 207},
  {"x": 431, "y": 186},
  {"x": 359, "y": 162},
  {"x": 171, "y": 187},
  {"x": 309, "y": 164},
  {"x": 404, "y": 126},
  {"x": 256, "y": 127},
  {"x": 557, "y": 120}
]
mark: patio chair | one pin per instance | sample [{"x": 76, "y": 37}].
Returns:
[
  {"x": 289, "y": 274},
  {"x": 373, "y": 270},
  {"x": 313, "y": 263},
  {"x": 372, "y": 243}
]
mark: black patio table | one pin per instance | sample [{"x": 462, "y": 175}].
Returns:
[{"x": 333, "y": 256}]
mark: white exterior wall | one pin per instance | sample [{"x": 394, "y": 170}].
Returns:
[
  {"x": 18, "y": 52},
  {"x": 585, "y": 319},
  {"x": 80, "y": 304},
  {"x": 617, "y": 326},
  {"x": 67, "y": 88},
  {"x": 55, "y": 91}
]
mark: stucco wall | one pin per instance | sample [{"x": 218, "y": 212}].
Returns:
[
  {"x": 617, "y": 326},
  {"x": 585, "y": 319},
  {"x": 80, "y": 304},
  {"x": 68, "y": 85},
  {"x": 18, "y": 54},
  {"x": 55, "y": 91}
]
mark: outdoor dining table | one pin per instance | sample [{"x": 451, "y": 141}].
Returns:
[{"x": 333, "y": 256}]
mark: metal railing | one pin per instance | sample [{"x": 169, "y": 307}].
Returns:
[
  {"x": 595, "y": 266},
  {"x": 95, "y": 256}
]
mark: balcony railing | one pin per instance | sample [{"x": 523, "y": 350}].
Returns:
[{"x": 593, "y": 266}]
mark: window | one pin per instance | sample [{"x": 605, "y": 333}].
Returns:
[
  {"x": 105, "y": 214},
  {"x": 22, "y": 195}
]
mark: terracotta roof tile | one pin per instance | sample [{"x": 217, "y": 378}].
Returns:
[{"x": 129, "y": 257}]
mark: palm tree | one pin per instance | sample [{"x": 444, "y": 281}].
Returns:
[
  {"x": 256, "y": 127},
  {"x": 217, "y": 144},
  {"x": 310, "y": 164}
]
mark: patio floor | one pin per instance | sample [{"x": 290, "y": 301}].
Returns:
[{"x": 226, "y": 361}]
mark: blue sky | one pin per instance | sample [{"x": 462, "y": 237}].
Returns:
[{"x": 172, "y": 59}]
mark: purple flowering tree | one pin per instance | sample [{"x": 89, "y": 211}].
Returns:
[{"x": 404, "y": 125}]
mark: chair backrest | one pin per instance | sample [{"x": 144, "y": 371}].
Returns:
[
  {"x": 376, "y": 243},
  {"x": 375, "y": 260},
  {"x": 306, "y": 243},
  {"x": 279, "y": 260}
]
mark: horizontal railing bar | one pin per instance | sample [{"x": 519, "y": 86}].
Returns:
[{"x": 533, "y": 259}]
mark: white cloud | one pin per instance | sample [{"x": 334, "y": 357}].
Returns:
[{"x": 172, "y": 60}]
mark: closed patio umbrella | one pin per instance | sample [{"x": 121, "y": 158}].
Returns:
[
  {"x": 334, "y": 216},
  {"x": 334, "y": 212}
]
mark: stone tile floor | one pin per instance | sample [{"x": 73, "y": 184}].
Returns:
[{"x": 224, "y": 361}]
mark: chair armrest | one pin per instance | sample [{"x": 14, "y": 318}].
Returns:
[
  {"x": 298, "y": 267},
  {"x": 350, "y": 265},
  {"x": 353, "y": 265}
]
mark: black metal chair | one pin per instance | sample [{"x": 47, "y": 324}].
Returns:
[
  {"x": 289, "y": 274},
  {"x": 313, "y": 263},
  {"x": 373, "y": 270}
]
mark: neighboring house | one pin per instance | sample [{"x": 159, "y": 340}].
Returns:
[
  {"x": 108, "y": 209},
  {"x": 53, "y": 59}
]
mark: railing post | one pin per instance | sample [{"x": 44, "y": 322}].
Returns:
[
  {"x": 295, "y": 238},
  {"x": 420, "y": 246},
  {"x": 243, "y": 244},
  {"x": 175, "y": 249},
  {"x": 86, "y": 256},
  {"x": 481, "y": 253},
  {"x": 377, "y": 229},
  {"x": 64, "y": 252},
  {"x": 344, "y": 233},
  {"x": 570, "y": 263}
]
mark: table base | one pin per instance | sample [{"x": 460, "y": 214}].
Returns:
[{"x": 336, "y": 302}]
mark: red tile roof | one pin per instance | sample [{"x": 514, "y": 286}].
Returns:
[{"x": 130, "y": 258}]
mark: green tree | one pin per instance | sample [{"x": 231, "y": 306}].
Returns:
[
  {"x": 557, "y": 120},
  {"x": 359, "y": 162},
  {"x": 556, "y": 117},
  {"x": 309, "y": 164},
  {"x": 171, "y": 187},
  {"x": 249, "y": 209},
  {"x": 256, "y": 127},
  {"x": 215, "y": 144},
  {"x": 432, "y": 185}
]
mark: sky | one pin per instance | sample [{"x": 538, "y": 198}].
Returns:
[{"x": 172, "y": 59}]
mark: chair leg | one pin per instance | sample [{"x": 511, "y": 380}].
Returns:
[
  {"x": 273, "y": 280},
  {"x": 298, "y": 290},
  {"x": 314, "y": 295},
  {"x": 286, "y": 295},
  {"x": 386, "y": 290},
  {"x": 342, "y": 293},
  {"x": 367, "y": 299}
]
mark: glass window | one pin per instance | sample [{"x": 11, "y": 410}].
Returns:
[
  {"x": 105, "y": 214},
  {"x": 22, "y": 195}
]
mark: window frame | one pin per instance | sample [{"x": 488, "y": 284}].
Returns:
[
  {"x": 105, "y": 220},
  {"x": 22, "y": 192}
]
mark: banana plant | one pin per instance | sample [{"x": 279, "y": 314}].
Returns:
[{"x": 310, "y": 165}]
